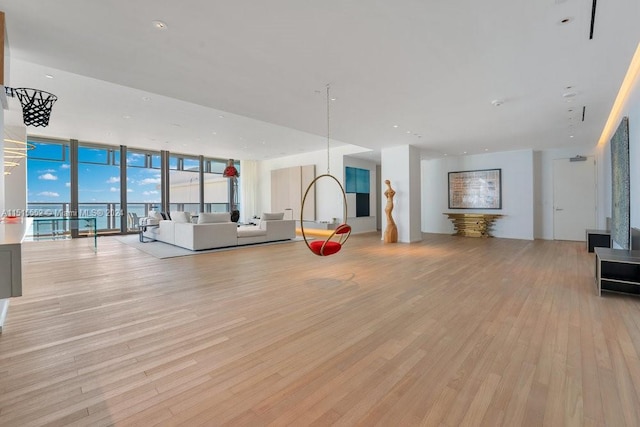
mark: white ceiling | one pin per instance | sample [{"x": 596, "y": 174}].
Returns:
[{"x": 431, "y": 67}]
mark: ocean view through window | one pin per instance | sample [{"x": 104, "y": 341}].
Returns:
[{"x": 102, "y": 186}]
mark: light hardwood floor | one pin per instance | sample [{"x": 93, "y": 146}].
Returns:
[{"x": 451, "y": 331}]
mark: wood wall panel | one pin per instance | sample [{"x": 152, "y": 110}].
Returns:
[
  {"x": 287, "y": 189},
  {"x": 308, "y": 174}
]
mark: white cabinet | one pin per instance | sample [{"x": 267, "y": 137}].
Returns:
[{"x": 11, "y": 236}]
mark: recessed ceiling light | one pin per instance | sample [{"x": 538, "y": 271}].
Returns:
[
  {"x": 395, "y": 126},
  {"x": 486, "y": 149},
  {"x": 570, "y": 136},
  {"x": 159, "y": 25},
  {"x": 49, "y": 76},
  {"x": 333, "y": 99},
  {"x": 445, "y": 154},
  {"x": 221, "y": 116},
  {"x": 408, "y": 131},
  {"x": 126, "y": 117},
  {"x": 497, "y": 102},
  {"x": 464, "y": 152},
  {"x": 569, "y": 94},
  {"x": 565, "y": 20}
]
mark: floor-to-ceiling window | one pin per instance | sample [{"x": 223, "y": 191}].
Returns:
[
  {"x": 99, "y": 185},
  {"x": 143, "y": 185},
  {"x": 216, "y": 187},
  {"x": 48, "y": 181},
  {"x": 184, "y": 183},
  {"x": 103, "y": 183}
]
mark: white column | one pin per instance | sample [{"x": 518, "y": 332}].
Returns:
[
  {"x": 15, "y": 184},
  {"x": 401, "y": 166},
  {"x": 2, "y": 206}
]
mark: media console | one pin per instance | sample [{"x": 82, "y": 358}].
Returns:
[
  {"x": 617, "y": 270},
  {"x": 598, "y": 238}
]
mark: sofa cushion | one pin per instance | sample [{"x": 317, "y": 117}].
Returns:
[
  {"x": 272, "y": 216},
  {"x": 213, "y": 217},
  {"x": 251, "y": 231},
  {"x": 182, "y": 217}
]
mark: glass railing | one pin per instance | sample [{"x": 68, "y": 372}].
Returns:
[
  {"x": 108, "y": 215},
  {"x": 194, "y": 208},
  {"x": 54, "y": 229}
]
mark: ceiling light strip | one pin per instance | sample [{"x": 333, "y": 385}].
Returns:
[{"x": 631, "y": 78}]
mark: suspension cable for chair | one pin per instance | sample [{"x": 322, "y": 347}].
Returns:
[{"x": 328, "y": 130}]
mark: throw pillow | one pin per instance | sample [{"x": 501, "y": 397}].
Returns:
[
  {"x": 213, "y": 217},
  {"x": 179, "y": 216},
  {"x": 155, "y": 215}
]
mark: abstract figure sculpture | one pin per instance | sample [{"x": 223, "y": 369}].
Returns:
[{"x": 391, "y": 232}]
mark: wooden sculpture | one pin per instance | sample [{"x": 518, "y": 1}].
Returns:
[{"x": 391, "y": 232}]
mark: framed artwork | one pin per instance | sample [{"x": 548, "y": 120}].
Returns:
[
  {"x": 357, "y": 182},
  {"x": 478, "y": 189},
  {"x": 620, "y": 187}
]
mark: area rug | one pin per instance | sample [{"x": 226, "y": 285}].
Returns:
[{"x": 164, "y": 250}]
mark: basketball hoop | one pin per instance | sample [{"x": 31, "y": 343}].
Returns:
[{"x": 36, "y": 105}]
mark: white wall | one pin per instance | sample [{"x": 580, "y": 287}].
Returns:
[
  {"x": 328, "y": 196},
  {"x": 543, "y": 186},
  {"x": 15, "y": 184},
  {"x": 401, "y": 166},
  {"x": 364, "y": 224},
  {"x": 517, "y": 192},
  {"x": 2, "y": 205},
  {"x": 633, "y": 111},
  {"x": 630, "y": 109}
]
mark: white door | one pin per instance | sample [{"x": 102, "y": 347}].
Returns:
[{"x": 574, "y": 198}]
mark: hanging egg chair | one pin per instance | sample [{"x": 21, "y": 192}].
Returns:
[{"x": 340, "y": 234}]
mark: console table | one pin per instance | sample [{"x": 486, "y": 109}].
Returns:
[
  {"x": 617, "y": 270},
  {"x": 473, "y": 224}
]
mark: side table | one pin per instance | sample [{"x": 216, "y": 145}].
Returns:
[{"x": 142, "y": 228}]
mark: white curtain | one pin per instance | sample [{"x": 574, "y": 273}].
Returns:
[{"x": 248, "y": 189}]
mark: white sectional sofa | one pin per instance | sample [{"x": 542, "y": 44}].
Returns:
[{"x": 215, "y": 230}]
